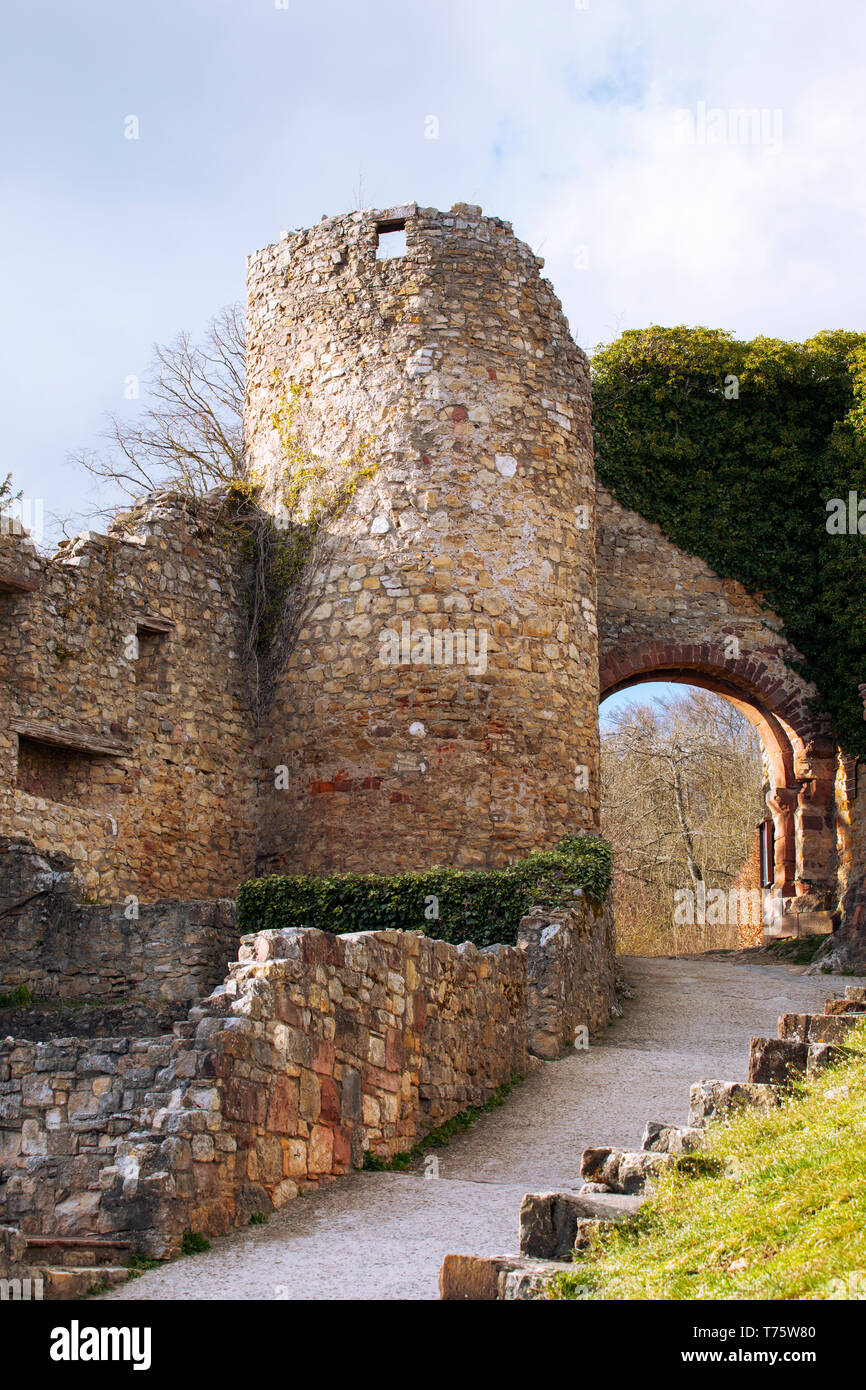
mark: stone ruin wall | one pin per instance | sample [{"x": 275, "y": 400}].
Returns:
[
  {"x": 315, "y": 1049},
  {"x": 69, "y": 953},
  {"x": 138, "y": 767},
  {"x": 456, "y": 363}
]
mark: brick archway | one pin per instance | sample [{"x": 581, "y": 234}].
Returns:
[{"x": 799, "y": 753}]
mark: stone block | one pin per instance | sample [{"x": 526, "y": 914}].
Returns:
[
  {"x": 777, "y": 1060},
  {"x": 549, "y": 1222},
  {"x": 711, "y": 1100}
]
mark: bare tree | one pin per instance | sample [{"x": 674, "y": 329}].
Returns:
[
  {"x": 189, "y": 435},
  {"x": 681, "y": 793}
]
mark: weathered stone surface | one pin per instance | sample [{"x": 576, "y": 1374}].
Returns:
[
  {"x": 152, "y": 793},
  {"x": 478, "y": 514},
  {"x": 620, "y": 1171},
  {"x": 161, "y": 954},
  {"x": 671, "y": 1139},
  {"x": 570, "y": 974},
  {"x": 550, "y": 1222},
  {"x": 473, "y": 1277},
  {"x": 817, "y": 1028},
  {"x": 308, "y": 1054},
  {"x": 529, "y": 1282},
  {"x": 712, "y": 1100},
  {"x": 777, "y": 1060}
]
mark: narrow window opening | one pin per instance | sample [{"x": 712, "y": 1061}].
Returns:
[
  {"x": 67, "y": 775},
  {"x": 390, "y": 240},
  {"x": 766, "y": 841},
  {"x": 151, "y": 633}
]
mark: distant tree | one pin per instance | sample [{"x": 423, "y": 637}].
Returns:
[
  {"x": 681, "y": 795},
  {"x": 189, "y": 434}
]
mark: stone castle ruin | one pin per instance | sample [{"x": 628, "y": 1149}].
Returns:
[{"x": 433, "y": 701}]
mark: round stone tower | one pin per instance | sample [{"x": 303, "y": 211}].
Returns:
[{"x": 440, "y": 702}]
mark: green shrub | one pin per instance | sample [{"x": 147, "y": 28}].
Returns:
[
  {"x": 17, "y": 998},
  {"x": 483, "y": 906},
  {"x": 193, "y": 1243}
]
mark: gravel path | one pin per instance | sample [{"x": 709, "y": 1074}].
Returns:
[{"x": 383, "y": 1235}]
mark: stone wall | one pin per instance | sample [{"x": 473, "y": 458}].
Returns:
[
  {"x": 315, "y": 1049},
  {"x": 157, "y": 953},
  {"x": 569, "y": 974},
  {"x": 125, "y": 732},
  {"x": 453, "y": 369}
]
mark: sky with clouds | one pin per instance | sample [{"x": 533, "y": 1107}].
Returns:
[{"x": 594, "y": 128}]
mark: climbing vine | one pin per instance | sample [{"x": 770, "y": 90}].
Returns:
[
  {"x": 286, "y": 543},
  {"x": 735, "y": 449}
]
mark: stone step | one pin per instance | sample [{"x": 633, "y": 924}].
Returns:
[
  {"x": 490, "y": 1278},
  {"x": 63, "y": 1282},
  {"x": 799, "y": 924},
  {"x": 817, "y": 1028},
  {"x": 855, "y": 994},
  {"x": 551, "y": 1223},
  {"x": 844, "y": 1006},
  {"x": 671, "y": 1139},
  {"x": 714, "y": 1100},
  {"x": 616, "y": 1170},
  {"x": 777, "y": 1061},
  {"x": 79, "y": 1251}
]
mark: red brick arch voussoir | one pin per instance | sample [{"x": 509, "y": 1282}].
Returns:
[{"x": 742, "y": 678}]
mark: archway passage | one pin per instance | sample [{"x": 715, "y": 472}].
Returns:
[{"x": 800, "y": 757}]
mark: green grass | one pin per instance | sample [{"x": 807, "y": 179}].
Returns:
[
  {"x": 773, "y": 1208},
  {"x": 442, "y": 1135},
  {"x": 799, "y": 951},
  {"x": 137, "y": 1265}
]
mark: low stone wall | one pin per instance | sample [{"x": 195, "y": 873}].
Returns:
[
  {"x": 570, "y": 974},
  {"x": 160, "y": 953},
  {"x": 315, "y": 1049}
]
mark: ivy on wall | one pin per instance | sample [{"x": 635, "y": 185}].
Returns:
[
  {"x": 735, "y": 449},
  {"x": 479, "y": 905}
]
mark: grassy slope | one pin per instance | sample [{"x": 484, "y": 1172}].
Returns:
[{"x": 774, "y": 1207}]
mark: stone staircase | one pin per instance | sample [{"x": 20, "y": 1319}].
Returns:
[
  {"x": 556, "y": 1226},
  {"x": 59, "y": 1267}
]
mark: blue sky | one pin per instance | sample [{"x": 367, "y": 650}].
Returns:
[{"x": 559, "y": 117}]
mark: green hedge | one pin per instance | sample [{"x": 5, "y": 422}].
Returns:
[{"x": 483, "y": 906}]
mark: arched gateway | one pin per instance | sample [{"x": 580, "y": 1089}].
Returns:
[{"x": 665, "y": 615}]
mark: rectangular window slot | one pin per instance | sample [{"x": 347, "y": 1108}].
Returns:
[
  {"x": 68, "y": 775},
  {"x": 150, "y": 632},
  {"x": 390, "y": 240},
  {"x": 767, "y": 853}
]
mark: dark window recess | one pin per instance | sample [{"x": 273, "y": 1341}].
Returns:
[
  {"x": 766, "y": 840},
  {"x": 150, "y": 634},
  {"x": 390, "y": 240},
  {"x": 70, "y": 775}
]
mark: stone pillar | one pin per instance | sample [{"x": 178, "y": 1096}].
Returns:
[{"x": 440, "y": 703}]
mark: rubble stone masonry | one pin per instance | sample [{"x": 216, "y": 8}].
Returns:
[
  {"x": 452, "y": 366},
  {"x": 125, "y": 731},
  {"x": 315, "y": 1049}
]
